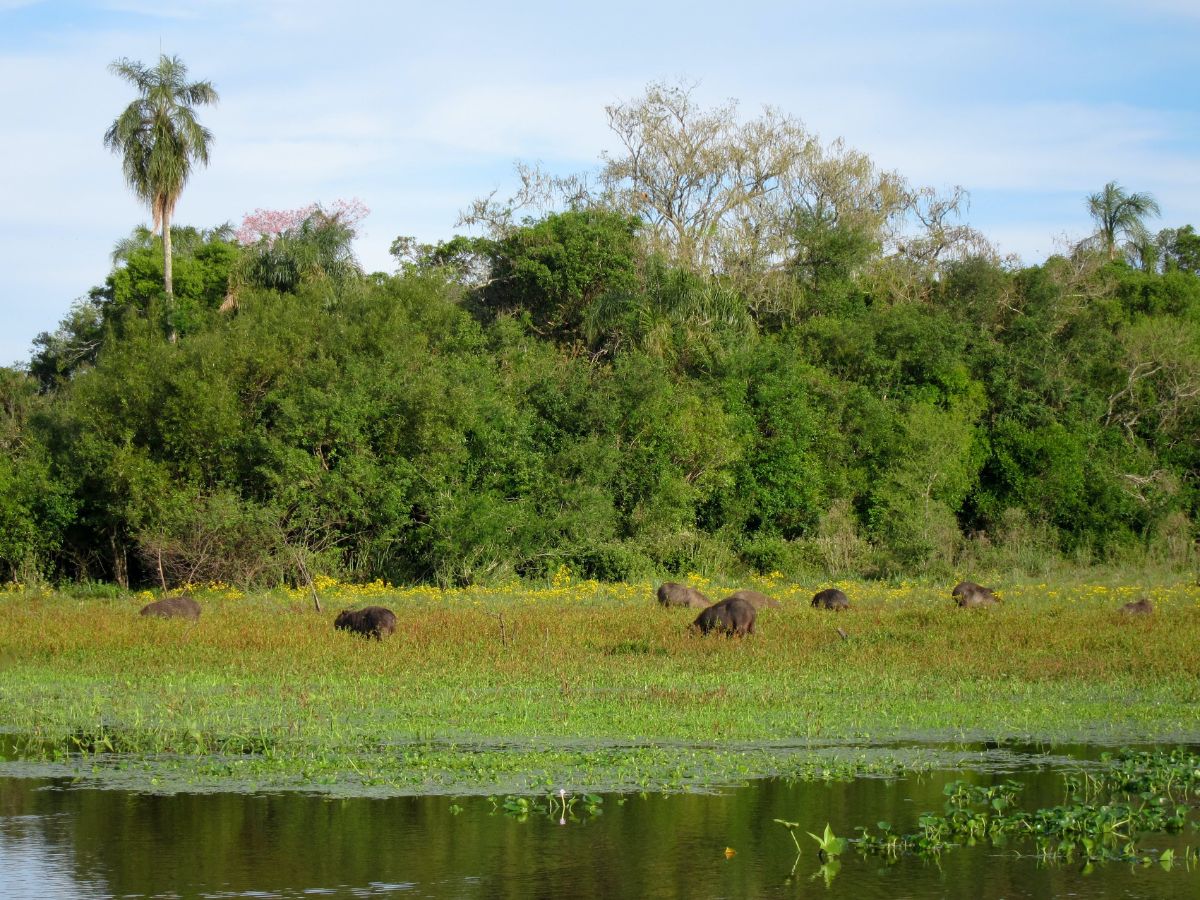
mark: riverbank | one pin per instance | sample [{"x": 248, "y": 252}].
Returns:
[{"x": 580, "y": 685}]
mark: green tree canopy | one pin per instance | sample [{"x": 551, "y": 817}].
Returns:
[
  {"x": 1118, "y": 212},
  {"x": 159, "y": 139}
]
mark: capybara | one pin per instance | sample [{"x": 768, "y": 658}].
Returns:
[
  {"x": 754, "y": 598},
  {"x": 370, "y": 621},
  {"x": 970, "y": 595},
  {"x": 178, "y": 607},
  {"x": 830, "y": 598},
  {"x": 733, "y": 616},
  {"x": 1141, "y": 607},
  {"x": 673, "y": 594}
]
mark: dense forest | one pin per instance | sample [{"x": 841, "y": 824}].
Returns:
[{"x": 732, "y": 348}]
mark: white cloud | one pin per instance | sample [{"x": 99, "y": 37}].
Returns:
[
  {"x": 519, "y": 119},
  {"x": 417, "y": 110}
]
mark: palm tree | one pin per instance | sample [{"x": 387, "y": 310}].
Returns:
[
  {"x": 1118, "y": 212},
  {"x": 160, "y": 138}
]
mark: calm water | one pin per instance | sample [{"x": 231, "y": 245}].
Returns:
[{"x": 64, "y": 840}]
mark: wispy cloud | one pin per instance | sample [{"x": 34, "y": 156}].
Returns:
[{"x": 418, "y": 109}]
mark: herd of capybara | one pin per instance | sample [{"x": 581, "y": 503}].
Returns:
[
  {"x": 736, "y": 614},
  {"x": 733, "y": 616}
]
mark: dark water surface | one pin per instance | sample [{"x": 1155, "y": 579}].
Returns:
[{"x": 59, "y": 839}]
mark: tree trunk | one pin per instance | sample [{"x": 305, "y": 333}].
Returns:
[
  {"x": 120, "y": 562},
  {"x": 168, "y": 279}
]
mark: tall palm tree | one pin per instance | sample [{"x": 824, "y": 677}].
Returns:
[
  {"x": 1117, "y": 212},
  {"x": 159, "y": 137}
]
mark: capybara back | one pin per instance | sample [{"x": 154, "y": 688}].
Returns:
[
  {"x": 970, "y": 595},
  {"x": 671, "y": 593},
  {"x": 757, "y": 599},
  {"x": 732, "y": 616},
  {"x": 371, "y": 621},
  {"x": 180, "y": 607},
  {"x": 830, "y": 598},
  {"x": 1141, "y": 607}
]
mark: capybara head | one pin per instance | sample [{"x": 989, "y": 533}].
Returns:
[
  {"x": 178, "y": 607},
  {"x": 672, "y": 594},
  {"x": 830, "y": 598},
  {"x": 732, "y": 616},
  {"x": 970, "y": 595},
  {"x": 1141, "y": 607},
  {"x": 755, "y": 598},
  {"x": 371, "y": 621}
]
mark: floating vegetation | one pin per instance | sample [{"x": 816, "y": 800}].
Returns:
[
  {"x": 1105, "y": 814},
  {"x": 557, "y": 805}
]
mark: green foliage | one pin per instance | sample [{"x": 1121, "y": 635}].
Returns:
[
  {"x": 132, "y": 293},
  {"x": 556, "y": 269},
  {"x": 694, "y": 323},
  {"x": 830, "y": 252},
  {"x": 36, "y": 508},
  {"x": 159, "y": 139},
  {"x": 1180, "y": 248},
  {"x": 1117, "y": 212},
  {"x": 827, "y": 844},
  {"x": 555, "y": 395},
  {"x": 36, "y": 505},
  {"x": 1134, "y": 794},
  {"x": 316, "y": 251}
]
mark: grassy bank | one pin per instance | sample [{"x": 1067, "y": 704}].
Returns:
[{"x": 580, "y": 684}]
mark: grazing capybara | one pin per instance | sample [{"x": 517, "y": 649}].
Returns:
[
  {"x": 673, "y": 594},
  {"x": 732, "y": 616},
  {"x": 1141, "y": 607},
  {"x": 180, "y": 607},
  {"x": 970, "y": 595},
  {"x": 370, "y": 621},
  {"x": 830, "y": 598},
  {"x": 754, "y": 598}
]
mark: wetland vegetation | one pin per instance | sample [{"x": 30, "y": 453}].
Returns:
[{"x": 579, "y": 685}]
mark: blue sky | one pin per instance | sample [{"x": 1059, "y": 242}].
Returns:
[{"x": 418, "y": 108}]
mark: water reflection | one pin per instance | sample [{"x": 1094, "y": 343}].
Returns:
[{"x": 57, "y": 839}]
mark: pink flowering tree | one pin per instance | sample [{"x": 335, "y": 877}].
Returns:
[
  {"x": 287, "y": 247},
  {"x": 269, "y": 224}
]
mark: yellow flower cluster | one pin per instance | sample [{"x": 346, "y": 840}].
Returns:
[{"x": 565, "y": 587}]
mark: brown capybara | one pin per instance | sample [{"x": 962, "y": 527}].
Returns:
[
  {"x": 732, "y": 616},
  {"x": 970, "y": 595},
  {"x": 370, "y": 621},
  {"x": 1141, "y": 607},
  {"x": 754, "y": 598},
  {"x": 830, "y": 598},
  {"x": 672, "y": 594},
  {"x": 179, "y": 607}
]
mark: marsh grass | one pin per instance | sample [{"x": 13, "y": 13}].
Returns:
[{"x": 587, "y": 685}]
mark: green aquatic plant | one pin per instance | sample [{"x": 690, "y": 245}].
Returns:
[
  {"x": 1134, "y": 794},
  {"x": 560, "y": 805},
  {"x": 828, "y": 846}
]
